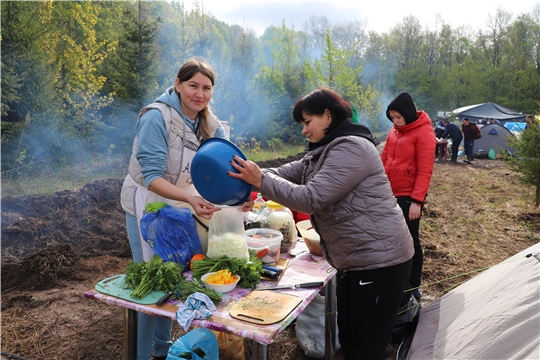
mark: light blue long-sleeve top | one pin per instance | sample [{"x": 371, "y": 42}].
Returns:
[{"x": 153, "y": 138}]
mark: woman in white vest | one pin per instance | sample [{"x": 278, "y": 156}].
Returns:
[{"x": 169, "y": 132}]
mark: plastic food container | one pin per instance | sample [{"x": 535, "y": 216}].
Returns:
[
  {"x": 310, "y": 236},
  {"x": 219, "y": 288},
  {"x": 266, "y": 243}
]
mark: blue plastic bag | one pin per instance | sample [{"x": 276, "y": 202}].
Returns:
[
  {"x": 196, "y": 342},
  {"x": 172, "y": 234}
]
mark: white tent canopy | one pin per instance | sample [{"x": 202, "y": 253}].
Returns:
[
  {"x": 495, "y": 315},
  {"x": 489, "y": 110}
]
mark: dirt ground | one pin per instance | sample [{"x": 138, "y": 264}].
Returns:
[{"x": 54, "y": 248}]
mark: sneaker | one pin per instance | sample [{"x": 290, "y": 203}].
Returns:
[{"x": 466, "y": 161}]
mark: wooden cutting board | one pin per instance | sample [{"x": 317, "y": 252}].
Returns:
[
  {"x": 264, "y": 307},
  {"x": 114, "y": 286}
]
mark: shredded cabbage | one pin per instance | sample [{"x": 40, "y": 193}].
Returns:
[
  {"x": 229, "y": 244},
  {"x": 284, "y": 222}
]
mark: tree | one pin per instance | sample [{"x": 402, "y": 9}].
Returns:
[
  {"x": 31, "y": 104},
  {"x": 281, "y": 83},
  {"x": 332, "y": 70},
  {"x": 526, "y": 158},
  {"x": 80, "y": 60}
]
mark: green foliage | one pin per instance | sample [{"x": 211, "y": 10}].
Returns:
[
  {"x": 152, "y": 275},
  {"x": 184, "y": 288},
  {"x": 526, "y": 158},
  {"x": 274, "y": 145},
  {"x": 76, "y": 73},
  {"x": 249, "y": 271},
  {"x": 332, "y": 71}
]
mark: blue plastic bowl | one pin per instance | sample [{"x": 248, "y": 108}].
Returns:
[{"x": 209, "y": 173}]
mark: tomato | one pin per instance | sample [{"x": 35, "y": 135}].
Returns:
[{"x": 195, "y": 257}]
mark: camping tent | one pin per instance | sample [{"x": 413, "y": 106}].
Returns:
[
  {"x": 515, "y": 126},
  {"x": 489, "y": 110},
  {"x": 495, "y": 315},
  {"x": 494, "y": 136}
]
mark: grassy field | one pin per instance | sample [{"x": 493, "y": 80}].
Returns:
[{"x": 46, "y": 180}]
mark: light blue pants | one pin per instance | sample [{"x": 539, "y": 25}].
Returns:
[{"x": 152, "y": 332}]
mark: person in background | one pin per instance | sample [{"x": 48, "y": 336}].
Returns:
[
  {"x": 529, "y": 122},
  {"x": 342, "y": 185},
  {"x": 470, "y": 132},
  {"x": 408, "y": 156},
  {"x": 169, "y": 132},
  {"x": 453, "y": 132},
  {"x": 440, "y": 128}
]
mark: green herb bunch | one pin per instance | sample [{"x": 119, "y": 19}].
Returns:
[
  {"x": 185, "y": 288},
  {"x": 250, "y": 271},
  {"x": 152, "y": 275}
]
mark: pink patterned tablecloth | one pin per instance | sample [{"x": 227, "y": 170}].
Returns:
[{"x": 304, "y": 267}]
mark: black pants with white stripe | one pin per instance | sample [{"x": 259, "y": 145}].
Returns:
[{"x": 367, "y": 305}]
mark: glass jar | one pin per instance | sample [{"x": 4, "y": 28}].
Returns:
[{"x": 278, "y": 217}]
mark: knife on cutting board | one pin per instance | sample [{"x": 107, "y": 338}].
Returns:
[{"x": 293, "y": 286}]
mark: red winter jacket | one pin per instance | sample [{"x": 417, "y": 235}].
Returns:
[{"x": 408, "y": 157}]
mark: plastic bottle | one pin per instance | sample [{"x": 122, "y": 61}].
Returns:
[{"x": 259, "y": 204}]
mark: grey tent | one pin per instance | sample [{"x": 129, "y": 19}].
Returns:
[
  {"x": 489, "y": 110},
  {"x": 494, "y": 136},
  {"x": 495, "y": 315}
]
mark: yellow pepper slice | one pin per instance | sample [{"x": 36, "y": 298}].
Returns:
[{"x": 221, "y": 277}]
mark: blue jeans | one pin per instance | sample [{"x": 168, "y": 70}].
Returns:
[
  {"x": 152, "y": 332},
  {"x": 468, "y": 147}
]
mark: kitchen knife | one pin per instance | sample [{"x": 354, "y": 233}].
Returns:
[
  {"x": 164, "y": 298},
  {"x": 294, "y": 286}
]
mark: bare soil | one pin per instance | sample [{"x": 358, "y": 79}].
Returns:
[{"x": 54, "y": 248}]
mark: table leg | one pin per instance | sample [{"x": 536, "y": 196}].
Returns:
[
  {"x": 130, "y": 334},
  {"x": 330, "y": 319},
  {"x": 260, "y": 351}
]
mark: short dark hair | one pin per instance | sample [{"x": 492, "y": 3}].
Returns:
[{"x": 319, "y": 100}]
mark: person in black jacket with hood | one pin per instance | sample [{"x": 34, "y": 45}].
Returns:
[{"x": 453, "y": 132}]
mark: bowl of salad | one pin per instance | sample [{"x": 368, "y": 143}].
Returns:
[{"x": 222, "y": 281}]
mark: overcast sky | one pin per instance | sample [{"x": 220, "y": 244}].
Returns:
[{"x": 380, "y": 15}]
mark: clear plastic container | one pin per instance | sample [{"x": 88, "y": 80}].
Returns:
[
  {"x": 266, "y": 243},
  {"x": 278, "y": 217}
]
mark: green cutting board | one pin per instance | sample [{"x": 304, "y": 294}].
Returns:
[{"x": 114, "y": 286}]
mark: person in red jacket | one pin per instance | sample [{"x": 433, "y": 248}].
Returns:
[{"x": 408, "y": 156}]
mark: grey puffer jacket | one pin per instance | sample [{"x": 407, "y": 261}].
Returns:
[{"x": 344, "y": 189}]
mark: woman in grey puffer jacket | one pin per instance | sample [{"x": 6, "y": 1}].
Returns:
[{"x": 342, "y": 185}]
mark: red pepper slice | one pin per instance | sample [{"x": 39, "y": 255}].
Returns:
[{"x": 262, "y": 253}]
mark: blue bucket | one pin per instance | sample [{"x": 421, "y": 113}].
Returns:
[{"x": 209, "y": 173}]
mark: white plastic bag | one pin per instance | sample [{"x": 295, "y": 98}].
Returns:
[
  {"x": 226, "y": 234},
  {"x": 310, "y": 331}
]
